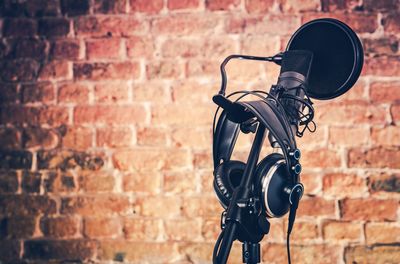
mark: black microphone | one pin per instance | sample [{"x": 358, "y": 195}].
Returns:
[{"x": 293, "y": 78}]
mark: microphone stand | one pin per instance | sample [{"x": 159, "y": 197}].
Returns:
[{"x": 242, "y": 208}]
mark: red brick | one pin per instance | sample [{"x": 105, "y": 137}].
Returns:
[
  {"x": 38, "y": 92},
  {"x": 145, "y": 182},
  {"x": 258, "y": 6},
  {"x": 339, "y": 231},
  {"x": 78, "y": 138},
  {"x": 260, "y": 45},
  {"x": 67, "y": 159},
  {"x": 59, "y": 182},
  {"x": 369, "y": 209},
  {"x": 104, "y": 48},
  {"x": 151, "y": 136},
  {"x": 26, "y": 205},
  {"x": 385, "y": 5},
  {"x": 274, "y": 251},
  {"x": 164, "y": 69},
  {"x": 183, "y": 230},
  {"x": 10, "y": 138},
  {"x": 21, "y": 226},
  {"x": 186, "y": 48},
  {"x": 200, "y": 252},
  {"x": 140, "y": 159},
  {"x": 96, "y": 205},
  {"x": 211, "y": 227},
  {"x": 107, "y": 26},
  {"x": 381, "y": 46},
  {"x": 56, "y": 70},
  {"x": 359, "y": 22},
  {"x": 19, "y": 70},
  {"x": 205, "y": 206},
  {"x": 111, "y": 92},
  {"x": 110, "y": 114},
  {"x": 295, "y": 6},
  {"x": 348, "y": 136},
  {"x": 378, "y": 254},
  {"x": 101, "y": 227},
  {"x": 8, "y": 182},
  {"x": 29, "y": 48},
  {"x": 303, "y": 231},
  {"x": 395, "y": 112},
  {"x": 350, "y": 113},
  {"x": 316, "y": 254},
  {"x": 166, "y": 114},
  {"x": 114, "y": 137},
  {"x": 140, "y": 46},
  {"x": 90, "y": 181},
  {"x": 391, "y": 23},
  {"x": 152, "y": 7},
  {"x": 54, "y": 27},
  {"x": 386, "y": 136},
  {"x": 138, "y": 229},
  {"x": 35, "y": 137},
  {"x": 385, "y": 92},
  {"x": 179, "y": 182},
  {"x": 381, "y": 66},
  {"x": 384, "y": 183},
  {"x": 384, "y": 233},
  {"x": 73, "y": 8},
  {"x": 216, "y": 5},
  {"x": 8, "y": 93},
  {"x": 62, "y": 250},
  {"x": 312, "y": 182},
  {"x": 159, "y": 206},
  {"x": 15, "y": 159},
  {"x": 182, "y": 4},
  {"x": 110, "y": 7},
  {"x": 65, "y": 49},
  {"x": 184, "y": 24},
  {"x": 378, "y": 157},
  {"x": 121, "y": 250},
  {"x": 10, "y": 250},
  {"x": 154, "y": 91},
  {"x": 202, "y": 159},
  {"x": 195, "y": 138},
  {"x": 60, "y": 226},
  {"x": 219, "y": 48},
  {"x": 73, "y": 93},
  {"x": 320, "y": 158},
  {"x": 31, "y": 182},
  {"x": 106, "y": 71},
  {"x": 54, "y": 115},
  {"x": 315, "y": 206},
  {"x": 202, "y": 68},
  {"x": 333, "y": 5},
  {"x": 342, "y": 185},
  {"x": 259, "y": 25},
  {"x": 20, "y": 27}
]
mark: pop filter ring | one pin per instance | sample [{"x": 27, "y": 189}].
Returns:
[{"x": 357, "y": 53}]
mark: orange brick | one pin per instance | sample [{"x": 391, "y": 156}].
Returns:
[
  {"x": 101, "y": 227},
  {"x": 339, "y": 231},
  {"x": 184, "y": 24},
  {"x": 152, "y": 7},
  {"x": 372, "y": 254},
  {"x": 182, "y": 4},
  {"x": 140, "y": 46},
  {"x": 348, "y": 136},
  {"x": 60, "y": 226},
  {"x": 114, "y": 137},
  {"x": 90, "y": 181},
  {"x": 152, "y": 91},
  {"x": 315, "y": 206},
  {"x": 73, "y": 93},
  {"x": 342, "y": 185},
  {"x": 138, "y": 229},
  {"x": 386, "y": 136},
  {"x": 385, "y": 92},
  {"x": 110, "y": 114},
  {"x": 320, "y": 158},
  {"x": 258, "y": 6},
  {"x": 146, "y": 182},
  {"x": 104, "y": 48},
  {"x": 312, "y": 182},
  {"x": 56, "y": 70},
  {"x": 201, "y": 206},
  {"x": 303, "y": 231},
  {"x": 111, "y": 92},
  {"x": 183, "y": 230},
  {"x": 196, "y": 138},
  {"x": 159, "y": 206},
  {"x": 164, "y": 69},
  {"x": 78, "y": 138},
  {"x": 222, "y": 4},
  {"x": 152, "y": 136},
  {"x": 106, "y": 70},
  {"x": 384, "y": 233},
  {"x": 368, "y": 209},
  {"x": 182, "y": 182},
  {"x": 167, "y": 114},
  {"x": 378, "y": 157},
  {"x": 96, "y": 205}
]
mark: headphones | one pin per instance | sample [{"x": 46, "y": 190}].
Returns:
[{"x": 276, "y": 176}]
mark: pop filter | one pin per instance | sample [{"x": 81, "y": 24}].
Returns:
[{"x": 337, "y": 56}]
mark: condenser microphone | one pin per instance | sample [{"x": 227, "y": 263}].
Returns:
[{"x": 293, "y": 79}]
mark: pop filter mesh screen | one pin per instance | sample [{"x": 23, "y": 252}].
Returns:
[{"x": 333, "y": 61}]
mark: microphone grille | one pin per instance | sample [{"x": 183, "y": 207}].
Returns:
[{"x": 297, "y": 61}]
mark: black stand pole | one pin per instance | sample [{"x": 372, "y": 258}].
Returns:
[{"x": 238, "y": 205}]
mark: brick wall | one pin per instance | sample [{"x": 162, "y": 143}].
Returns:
[{"x": 105, "y": 131}]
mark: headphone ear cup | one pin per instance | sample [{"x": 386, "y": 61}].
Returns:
[
  {"x": 271, "y": 179},
  {"x": 227, "y": 176}
]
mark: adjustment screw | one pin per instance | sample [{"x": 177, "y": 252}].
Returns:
[
  {"x": 296, "y": 168},
  {"x": 223, "y": 220},
  {"x": 296, "y": 154}
]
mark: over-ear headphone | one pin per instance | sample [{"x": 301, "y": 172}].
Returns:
[{"x": 275, "y": 176}]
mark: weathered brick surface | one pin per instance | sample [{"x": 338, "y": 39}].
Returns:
[{"x": 105, "y": 131}]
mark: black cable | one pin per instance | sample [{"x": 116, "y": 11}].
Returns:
[{"x": 216, "y": 247}]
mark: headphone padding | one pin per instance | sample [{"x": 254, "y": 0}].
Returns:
[{"x": 227, "y": 177}]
